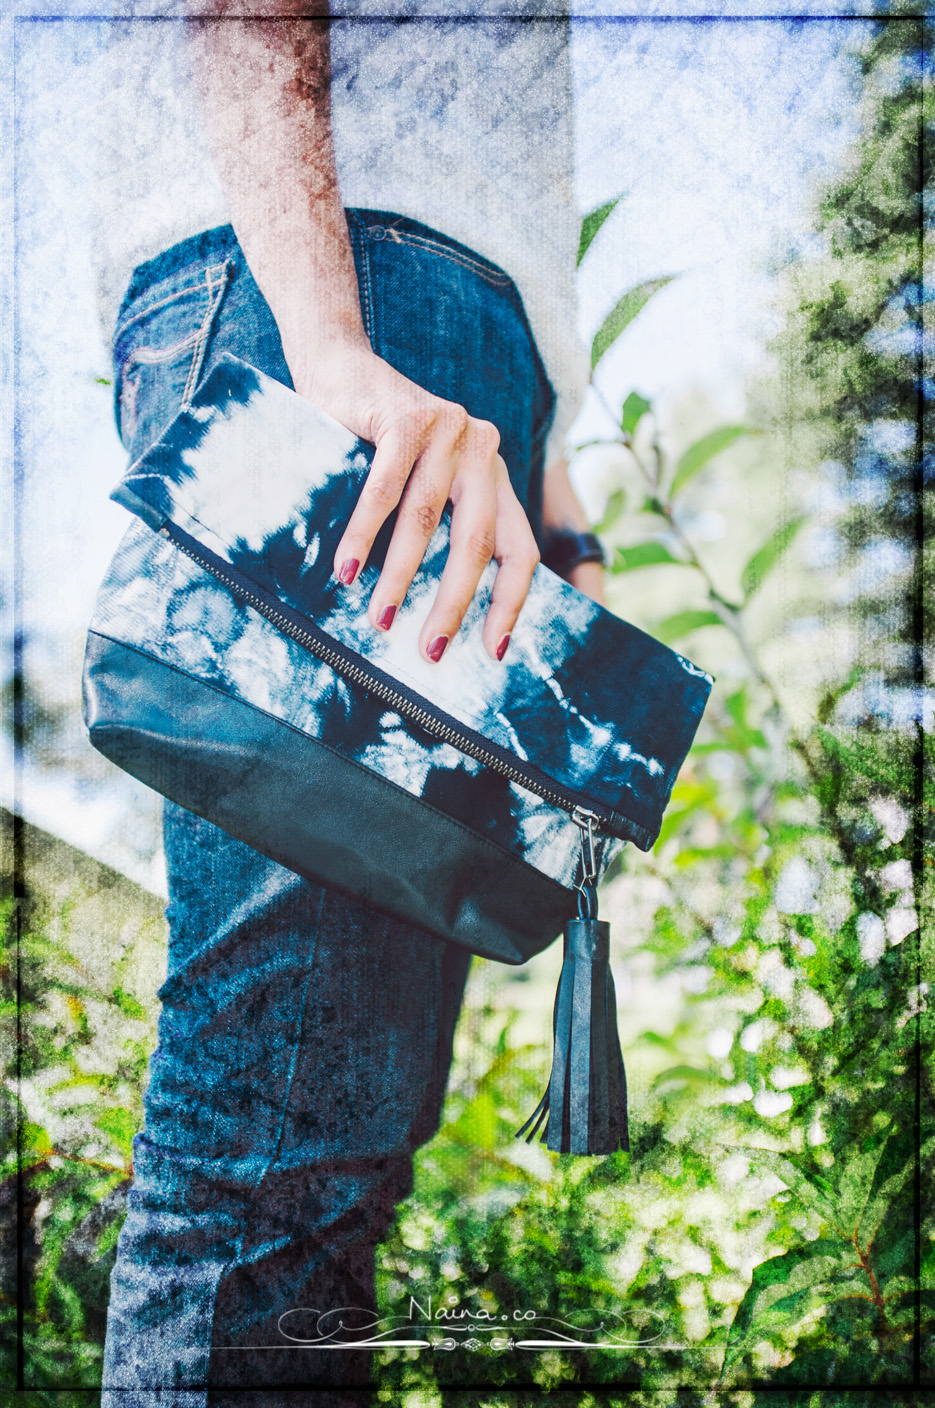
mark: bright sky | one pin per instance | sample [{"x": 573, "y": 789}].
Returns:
[{"x": 716, "y": 131}]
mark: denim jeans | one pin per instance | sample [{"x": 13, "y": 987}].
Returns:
[{"x": 304, "y": 1039}]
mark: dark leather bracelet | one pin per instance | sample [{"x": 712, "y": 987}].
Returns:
[{"x": 564, "y": 550}]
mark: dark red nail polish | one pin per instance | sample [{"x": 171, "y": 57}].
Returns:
[
  {"x": 348, "y": 571},
  {"x": 437, "y": 648},
  {"x": 385, "y": 618},
  {"x": 501, "y": 648}
]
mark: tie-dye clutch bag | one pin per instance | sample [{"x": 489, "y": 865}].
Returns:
[{"x": 228, "y": 669}]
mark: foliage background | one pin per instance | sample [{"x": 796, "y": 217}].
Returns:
[{"x": 772, "y": 954}]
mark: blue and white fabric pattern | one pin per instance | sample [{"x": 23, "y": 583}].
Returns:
[{"x": 265, "y": 482}]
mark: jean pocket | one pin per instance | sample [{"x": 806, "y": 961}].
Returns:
[
  {"x": 445, "y": 249},
  {"x": 159, "y": 351}
]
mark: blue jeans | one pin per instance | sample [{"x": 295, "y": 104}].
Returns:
[{"x": 304, "y": 1040}]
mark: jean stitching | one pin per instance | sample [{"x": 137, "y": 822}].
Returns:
[
  {"x": 366, "y": 290},
  {"x": 216, "y": 280},
  {"x": 474, "y": 259},
  {"x": 154, "y": 355},
  {"x": 129, "y": 387},
  {"x": 128, "y": 394},
  {"x": 405, "y": 237},
  {"x": 151, "y": 308}
]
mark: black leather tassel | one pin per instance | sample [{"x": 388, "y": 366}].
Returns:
[{"x": 585, "y": 1106}]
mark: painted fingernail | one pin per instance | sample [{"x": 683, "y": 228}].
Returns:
[
  {"x": 385, "y": 618},
  {"x": 437, "y": 648},
  {"x": 348, "y": 571},
  {"x": 501, "y": 648}
]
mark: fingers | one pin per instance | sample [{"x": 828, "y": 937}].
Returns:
[
  {"x": 517, "y": 559},
  {"x": 486, "y": 522},
  {"x": 420, "y": 510},
  {"x": 396, "y": 451},
  {"x": 472, "y": 541},
  {"x": 428, "y": 454}
]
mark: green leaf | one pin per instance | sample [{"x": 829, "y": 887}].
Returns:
[
  {"x": 623, "y": 313},
  {"x": 703, "y": 450},
  {"x": 835, "y": 692},
  {"x": 687, "y": 798},
  {"x": 656, "y": 1039},
  {"x": 592, "y": 222},
  {"x": 681, "y": 1074},
  {"x": 883, "y": 1195},
  {"x": 128, "y": 1004},
  {"x": 644, "y": 555},
  {"x": 689, "y": 855},
  {"x": 634, "y": 409},
  {"x": 810, "y": 1366},
  {"x": 34, "y": 1142},
  {"x": 120, "y": 1125},
  {"x": 808, "y": 1184},
  {"x": 779, "y": 1279},
  {"x": 612, "y": 511},
  {"x": 902, "y": 1314},
  {"x": 743, "y": 735},
  {"x": 897, "y": 774},
  {"x": 674, "y": 627},
  {"x": 103, "y": 1081},
  {"x": 856, "y": 1178},
  {"x": 768, "y": 555}
]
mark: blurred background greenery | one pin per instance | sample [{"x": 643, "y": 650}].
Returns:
[{"x": 772, "y": 1225}]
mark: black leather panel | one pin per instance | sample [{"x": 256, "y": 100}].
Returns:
[{"x": 314, "y": 811}]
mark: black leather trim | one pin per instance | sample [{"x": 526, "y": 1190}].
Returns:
[{"x": 314, "y": 811}]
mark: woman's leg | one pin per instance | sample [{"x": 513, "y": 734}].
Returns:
[
  {"x": 304, "y": 1040},
  {"x": 304, "y": 1044}
]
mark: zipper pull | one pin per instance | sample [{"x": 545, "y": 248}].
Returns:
[{"x": 585, "y": 1105}]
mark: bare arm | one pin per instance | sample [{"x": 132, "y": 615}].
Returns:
[{"x": 264, "y": 88}]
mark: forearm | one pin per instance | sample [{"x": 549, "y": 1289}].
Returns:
[{"x": 263, "y": 86}]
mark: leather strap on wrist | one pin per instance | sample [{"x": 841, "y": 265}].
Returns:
[{"x": 564, "y": 550}]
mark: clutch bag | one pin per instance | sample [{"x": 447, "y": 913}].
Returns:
[{"x": 229, "y": 670}]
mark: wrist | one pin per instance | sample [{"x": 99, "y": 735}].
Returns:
[
  {"x": 321, "y": 359},
  {"x": 311, "y": 339}
]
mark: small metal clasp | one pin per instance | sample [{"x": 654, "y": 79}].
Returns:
[
  {"x": 587, "y": 885},
  {"x": 585, "y": 820}
]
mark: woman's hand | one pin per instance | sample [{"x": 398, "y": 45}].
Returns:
[{"x": 428, "y": 451}]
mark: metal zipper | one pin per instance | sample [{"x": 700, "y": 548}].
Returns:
[{"x": 582, "y": 816}]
